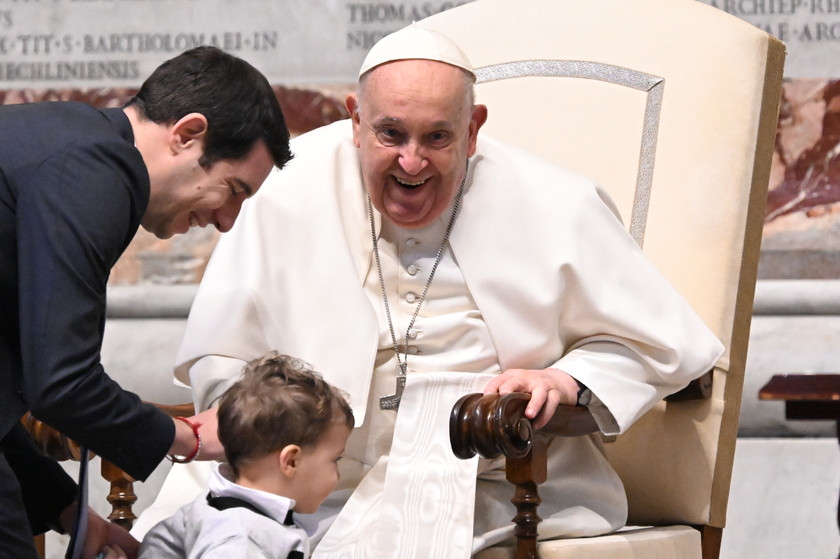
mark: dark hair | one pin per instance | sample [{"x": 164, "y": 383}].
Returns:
[
  {"x": 278, "y": 401},
  {"x": 234, "y": 97}
]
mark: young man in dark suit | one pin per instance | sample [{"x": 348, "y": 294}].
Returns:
[{"x": 76, "y": 182}]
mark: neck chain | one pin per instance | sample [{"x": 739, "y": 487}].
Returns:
[{"x": 393, "y": 402}]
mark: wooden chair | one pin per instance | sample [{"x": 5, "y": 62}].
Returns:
[
  {"x": 121, "y": 496},
  {"x": 672, "y": 106}
]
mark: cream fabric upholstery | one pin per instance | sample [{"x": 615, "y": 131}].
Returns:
[
  {"x": 666, "y": 542},
  {"x": 705, "y": 155}
]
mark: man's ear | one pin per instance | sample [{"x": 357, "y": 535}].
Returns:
[
  {"x": 352, "y": 105},
  {"x": 288, "y": 459},
  {"x": 477, "y": 120},
  {"x": 189, "y": 131}
]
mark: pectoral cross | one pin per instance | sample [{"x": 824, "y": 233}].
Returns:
[{"x": 392, "y": 402}]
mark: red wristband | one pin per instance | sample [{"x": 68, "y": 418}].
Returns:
[{"x": 192, "y": 455}]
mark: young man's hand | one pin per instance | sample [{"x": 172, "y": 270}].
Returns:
[
  {"x": 102, "y": 536},
  {"x": 184, "y": 443}
]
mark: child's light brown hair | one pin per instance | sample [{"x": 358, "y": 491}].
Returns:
[{"x": 279, "y": 401}]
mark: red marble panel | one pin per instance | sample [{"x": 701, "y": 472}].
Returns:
[
  {"x": 802, "y": 223},
  {"x": 807, "y": 148}
]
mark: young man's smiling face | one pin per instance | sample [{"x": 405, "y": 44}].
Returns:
[{"x": 184, "y": 194}]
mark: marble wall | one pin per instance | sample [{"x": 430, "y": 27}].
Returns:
[{"x": 802, "y": 226}]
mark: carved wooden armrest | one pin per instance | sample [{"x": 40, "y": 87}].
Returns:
[
  {"x": 494, "y": 425},
  {"x": 59, "y": 447},
  {"x": 51, "y": 442}
]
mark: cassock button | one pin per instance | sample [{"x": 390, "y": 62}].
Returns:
[
  {"x": 412, "y": 350},
  {"x": 411, "y": 242},
  {"x": 412, "y": 270},
  {"x": 410, "y": 296}
]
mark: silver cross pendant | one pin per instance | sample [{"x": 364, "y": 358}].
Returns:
[{"x": 392, "y": 402}]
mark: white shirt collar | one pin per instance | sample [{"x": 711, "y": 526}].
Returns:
[{"x": 221, "y": 485}]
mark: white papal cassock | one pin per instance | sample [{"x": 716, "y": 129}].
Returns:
[{"x": 539, "y": 273}]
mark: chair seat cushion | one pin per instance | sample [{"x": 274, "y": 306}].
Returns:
[{"x": 666, "y": 542}]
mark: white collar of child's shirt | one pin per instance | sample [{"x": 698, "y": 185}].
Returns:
[{"x": 221, "y": 485}]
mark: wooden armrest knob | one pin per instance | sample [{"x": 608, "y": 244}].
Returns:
[
  {"x": 51, "y": 442},
  {"x": 490, "y": 425},
  {"x": 58, "y": 447}
]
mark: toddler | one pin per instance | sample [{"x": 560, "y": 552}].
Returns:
[{"x": 283, "y": 429}]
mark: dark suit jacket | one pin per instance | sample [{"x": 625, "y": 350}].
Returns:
[{"x": 73, "y": 189}]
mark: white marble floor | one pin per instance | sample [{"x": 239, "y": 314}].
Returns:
[{"x": 783, "y": 500}]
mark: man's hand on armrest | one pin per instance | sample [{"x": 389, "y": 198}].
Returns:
[{"x": 548, "y": 388}]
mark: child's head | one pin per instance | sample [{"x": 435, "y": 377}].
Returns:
[{"x": 280, "y": 407}]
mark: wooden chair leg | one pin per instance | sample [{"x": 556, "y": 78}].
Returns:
[
  {"x": 121, "y": 497},
  {"x": 525, "y": 474},
  {"x": 40, "y": 546},
  {"x": 711, "y": 538},
  {"x": 493, "y": 425}
]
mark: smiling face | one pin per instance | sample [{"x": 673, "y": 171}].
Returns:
[
  {"x": 189, "y": 195},
  {"x": 316, "y": 468},
  {"x": 415, "y": 128}
]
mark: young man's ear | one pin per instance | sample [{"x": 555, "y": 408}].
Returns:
[
  {"x": 188, "y": 131},
  {"x": 288, "y": 458}
]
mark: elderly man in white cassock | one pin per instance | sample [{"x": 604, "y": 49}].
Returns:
[{"x": 411, "y": 260}]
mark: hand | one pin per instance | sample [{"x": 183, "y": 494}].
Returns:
[
  {"x": 548, "y": 388},
  {"x": 109, "y": 553},
  {"x": 102, "y": 536},
  {"x": 211, "y": 448},
  {"x": 184, "y": 443}
]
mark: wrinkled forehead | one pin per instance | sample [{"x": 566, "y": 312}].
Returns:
[{"x": 419, "y": 68}]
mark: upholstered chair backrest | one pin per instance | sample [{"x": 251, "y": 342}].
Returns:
[{"x": 671, "y": 105}]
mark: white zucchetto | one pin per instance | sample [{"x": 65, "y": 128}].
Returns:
[{"x": 414, "y": 42}]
